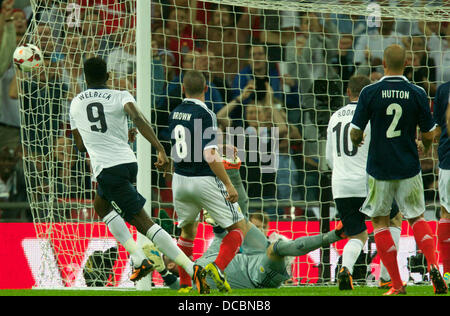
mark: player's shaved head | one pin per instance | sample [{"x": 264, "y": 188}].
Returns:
[
  {"x": 394, "y": 58},
  {"x": 356, "y": 84},
  {"x": 194, "y": 83}
]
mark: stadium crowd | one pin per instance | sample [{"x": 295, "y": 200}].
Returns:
[{"x": 264, "y": 68}]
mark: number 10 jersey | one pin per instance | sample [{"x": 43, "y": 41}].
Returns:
[
  {"x": 349, "y": 176},
  {"x": 102, "y": 122}
]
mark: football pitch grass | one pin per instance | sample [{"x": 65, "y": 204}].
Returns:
[{"x": 413, "y": 290}]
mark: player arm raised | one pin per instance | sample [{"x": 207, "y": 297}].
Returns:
[{"x": 144, "y": 127}]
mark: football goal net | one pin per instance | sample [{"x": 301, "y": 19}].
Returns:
[{"x": 268, "y": 64}]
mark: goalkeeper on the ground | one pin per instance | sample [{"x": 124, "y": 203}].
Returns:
[{"x": 262, "y": 262}]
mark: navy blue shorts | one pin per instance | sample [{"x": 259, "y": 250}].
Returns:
[
  {"x": 352, "y": 219},
  {"x": 117, "y": 185}
]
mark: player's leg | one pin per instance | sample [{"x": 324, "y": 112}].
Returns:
[
  {"x": 411, "y": 201},
  {"x": 444, "y": 238},
  {"x": 443, "y": 232},
  {"x": 120, "y": 231},
  {"x": 395, "y": 227},
  {"x": 301, "y": 246},
  {"x": 377, "y": 206},
  {"x": 186, "y": 244},
  {"x": 212, "y": 196},
  {"x": 354, "y": 227}
]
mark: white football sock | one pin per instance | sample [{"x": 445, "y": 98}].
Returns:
[
  {"x": 395, "y": 232},
  {"x": 351, "y": 252},
  {"x": 120, "y": 231},
  {"x": 168, "y": 246}
]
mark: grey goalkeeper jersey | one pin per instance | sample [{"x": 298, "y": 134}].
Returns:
[{"x": 251, "y": 268}]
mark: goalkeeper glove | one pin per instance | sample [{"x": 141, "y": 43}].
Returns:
[{"x": 155, "y": 256}]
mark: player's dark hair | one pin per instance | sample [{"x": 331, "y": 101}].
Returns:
[
  {"x": 95, "y": 71},
  {"x": 356, "y": 84},
  {"x": 194, "y": 83}
]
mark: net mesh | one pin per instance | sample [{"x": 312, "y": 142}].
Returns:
[{"x": 268, "y": 63}]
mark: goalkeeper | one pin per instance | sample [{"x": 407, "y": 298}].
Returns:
[{"x": 262, "y": 262}]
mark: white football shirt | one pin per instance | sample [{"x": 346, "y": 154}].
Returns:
[
  {"x": 349, "y": 176},
  {"x": 100, "y": 117}
]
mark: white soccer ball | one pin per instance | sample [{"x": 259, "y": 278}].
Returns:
[{"x": 28, "y": 57}]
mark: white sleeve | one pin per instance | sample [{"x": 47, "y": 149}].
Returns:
[
  {"x": 127, "y": 97},
  {"x": 73, "y": 124},
  {"x": 329, "y": 148}
]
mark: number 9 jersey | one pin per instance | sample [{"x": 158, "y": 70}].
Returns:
[
  {"x": 349, "y": 176},
  {"x": 101, "y": 120}
]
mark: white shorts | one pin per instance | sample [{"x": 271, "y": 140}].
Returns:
[
  {"x": 408, "y": 193},
  {"x": 444, "y": 188},
  {"x": 191, "y": 194}
]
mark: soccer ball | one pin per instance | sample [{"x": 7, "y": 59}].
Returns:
[{"x": 28, "y": 57}]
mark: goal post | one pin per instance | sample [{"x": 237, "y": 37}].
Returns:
[
  {"x": 143, "y": 96},
  {"x": 268, "y": 63}
]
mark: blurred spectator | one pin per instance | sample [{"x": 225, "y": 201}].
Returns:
[
  {"x": 180, "y": 32},
  {"x": 52, "y": 14},
  {"x": 438, "y": 39},
  {"x": 422, "y": 69},
  {"x": 288, "y": 174},
  {"x": 343, "y": 62},
  {"x": 12, "y": 182},
  {"x": 314, "y": 52},
  {"x": 122, "y": 63},
  {"x": 261, "y": 72},
  {"x": 350, "y": 24},
  {"x": 44, "y": 96},
  {"x": 71, "y": 67},
  {"x": 369, "y": 48},
  {"x": 261, "y": 221},
  {"x": 258, "y": 170},
  {"x": 9, "y": 113},
  {"x": 226, "y": 34},
  {"x": 172, "y": 95}
]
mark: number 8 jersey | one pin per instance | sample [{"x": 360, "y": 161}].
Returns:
[
  {"x": 349, "y": 176},
  {"x": 394, "y": 107},
  {"x": 100, "y": 117}
]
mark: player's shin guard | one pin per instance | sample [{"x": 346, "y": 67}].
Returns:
[
  {"x": 388, "y": 254},
  {"x": 187, "y": 246},
  {"x": 444, "y": 242},
  {"x": 425, "y": 241},
  {"x": 229, "y": 247}
]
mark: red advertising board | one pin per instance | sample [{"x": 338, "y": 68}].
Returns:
[{"x": 22, "y": 253}]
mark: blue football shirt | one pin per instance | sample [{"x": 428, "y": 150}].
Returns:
[
  {"x": 441, "y": 101},
  {"x": 394, "y": 107},
  {"x": 193, "y": 128}
]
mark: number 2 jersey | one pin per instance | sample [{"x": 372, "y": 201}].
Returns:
[
  {"x": 349, "y": 176},
  {"x": 102, "y": 122},
  {"x": 394, "y": 107}
]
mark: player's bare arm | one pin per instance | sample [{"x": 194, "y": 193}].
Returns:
[
  {"x": 143, "y": 126},
  {"x": 216, "y": 165},
  {"x": 78, "y": 140}
]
